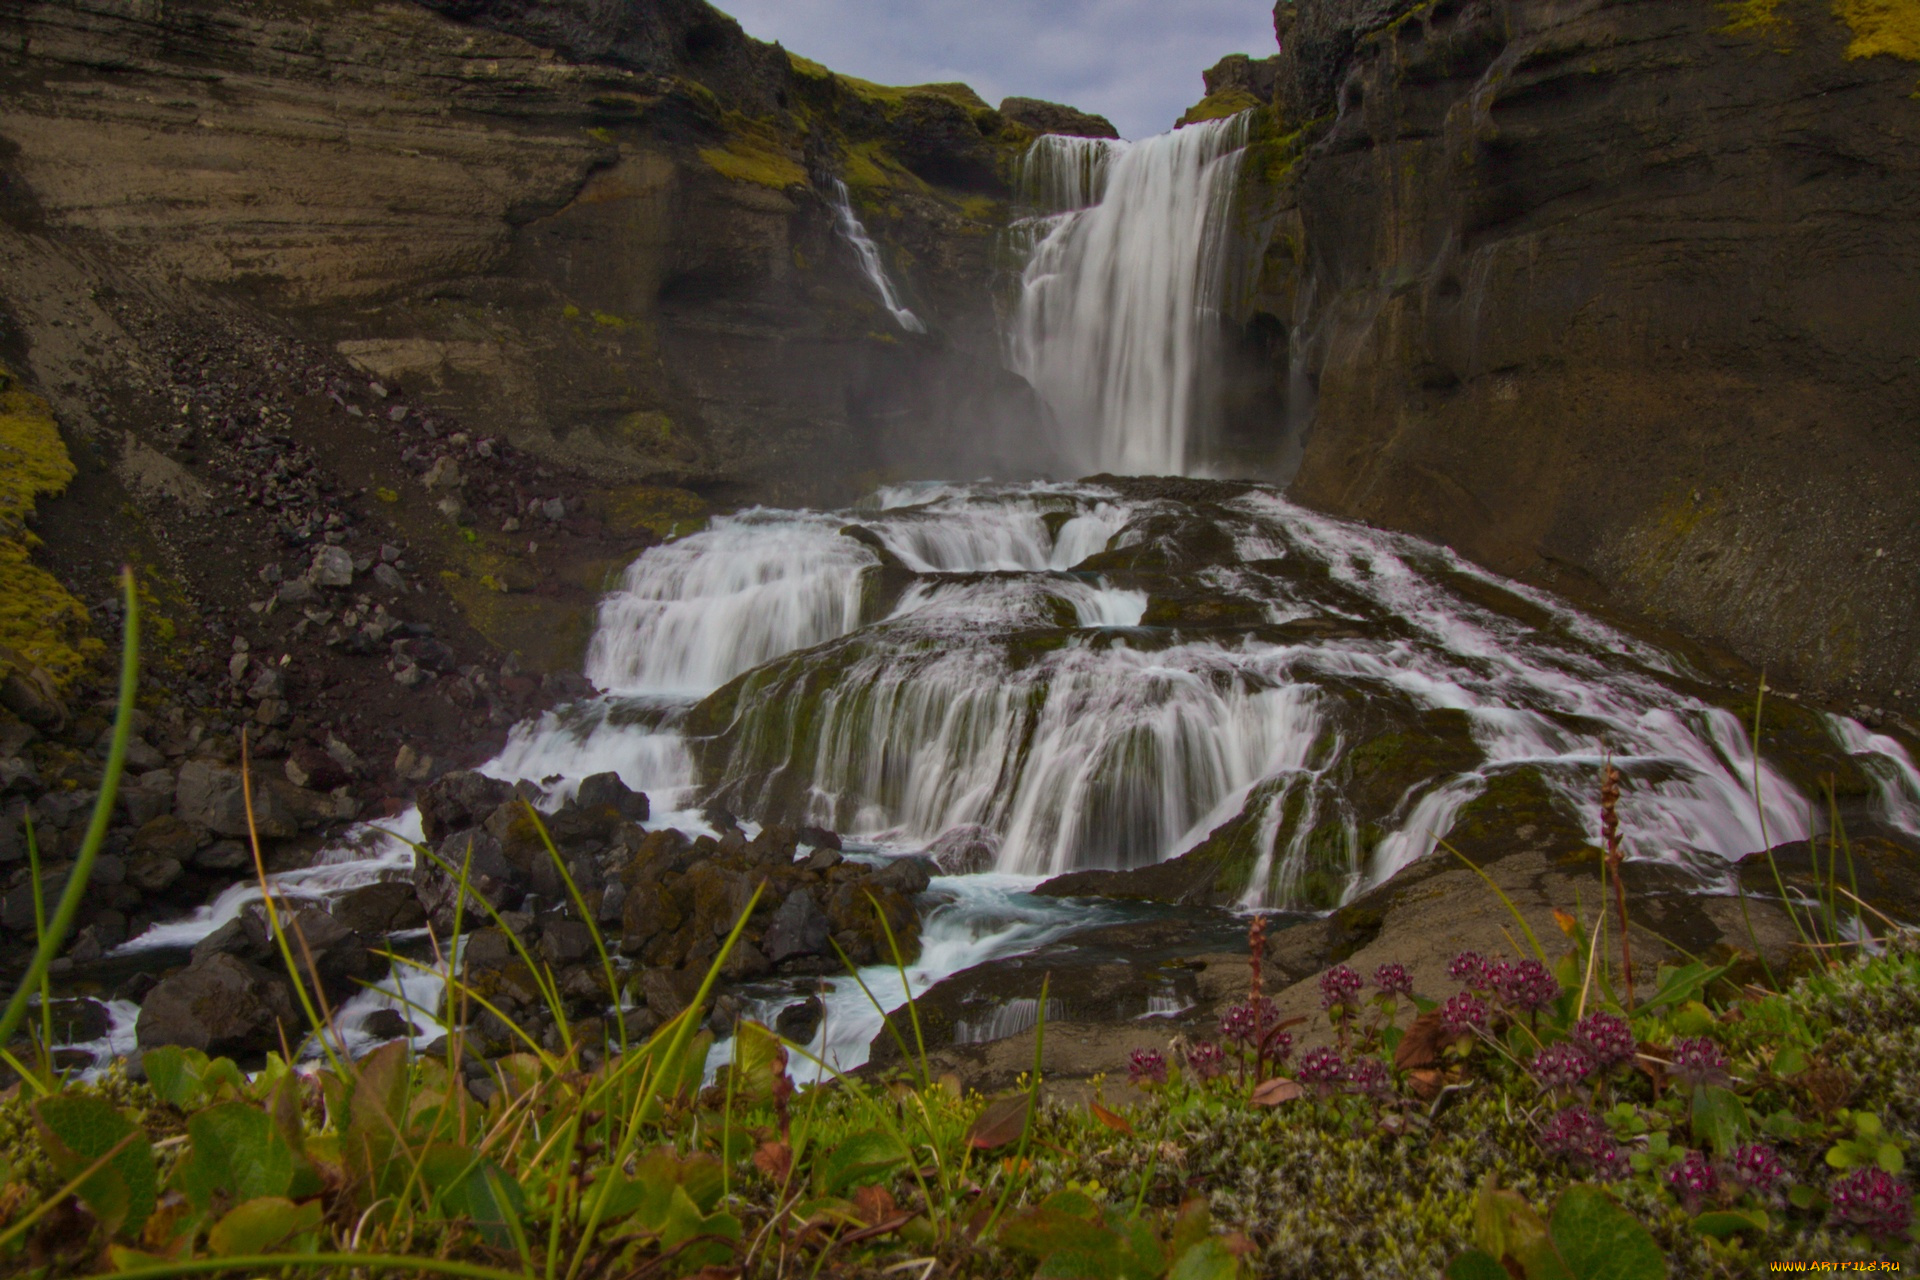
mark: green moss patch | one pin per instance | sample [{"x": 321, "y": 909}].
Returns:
[
  {"x": 1881, "y": 26},
  {"x": 40, "y": 621}
]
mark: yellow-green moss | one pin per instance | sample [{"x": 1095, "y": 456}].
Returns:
[
  {"x": 1762, "y": 16},
  {"x": 1218, "y": 106},
  {"x": 663, "y": 512},
  {"x": 39, "y": 620},
  {"x": 1881, "y": 26},
  {"x": 755, "y": 153}
]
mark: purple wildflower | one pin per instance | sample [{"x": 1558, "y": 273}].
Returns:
[
  {"x": 1693, "y": 1180},
  {"x": 1527, "y": 987},
  {"x": 1758, "y": 1168},
  {"x": 1561, "y": 1066},
  {"x": 1279, "y": 1047},
  {"x": 1369, "y": 1076},
  {"x": 1873, "y": 1200},
  {"x": 1696, "y": 1060},
  {"x": 1582, "y": 1137},
  {"x": 1463, "y": 1014},
  {"x": 1469, "y": 970},
  {"x": 1606, "y": 1039},
  {"x": 1323, "y": 1067},
  {"x": 1243, "y": 1023},
  {"x": 1392, "y": 980},
  {"x": 1147, "y": 1066},
  {"x": 1206, "y": 1060},
  {"x": 1338, "y": 987}
]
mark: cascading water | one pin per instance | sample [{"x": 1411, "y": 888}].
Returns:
[
  {"x": 855, "y": 234},
  {"x": 1118, "y": 302}
]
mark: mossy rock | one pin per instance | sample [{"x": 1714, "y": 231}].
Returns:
[
  {"x": 757, "y": 152},
  {"x": 663, "y": 512},
  {"x": 1195, "y": 611},
  {"x": 1518, "y": 810},
  {"x": 1168, "y": 542},
  {"x": 1219, "y": 106},
  {"x": 1384, "y": 769},
  {"x": 1797, "y": 741}
]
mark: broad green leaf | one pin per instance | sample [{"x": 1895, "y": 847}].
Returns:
[
  {"x": 1505, "y": 1224},
  {"x": 758, "y": 1060},
  {"x": 1791, "y": 1061},
  {"x": 1212, "y": 1260},
  {"x": 223, "y": 1078},
  {"x": 236, "y": 1150},
  {"x": 261, "y": 1226},
  {"x": 77, "y": 1130},
  {"x": 1193, "y": 1226},
  {"x": 1476, "y": 1264},
  {"x": 864, "y": 1158},
  {"x": 1078, "y": 1203},
  {"x": 174, "y": 1074},
  {"x": 1719, "y": 1118},
  {"x": 1044, "y": 1232},
  {"x": 1721, "y": 1224},
  {"x": 467, "y": 1185},
  {"x": 685, "y": 1222},
  {"x": 1601, "y": 1241},
  {"x": 1680, "y": 984}
]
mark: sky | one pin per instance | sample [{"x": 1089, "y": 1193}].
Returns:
[{"x": 1136, "y": 62}]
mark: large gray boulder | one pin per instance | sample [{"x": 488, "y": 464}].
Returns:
[{"x": 222, "y": 1005}]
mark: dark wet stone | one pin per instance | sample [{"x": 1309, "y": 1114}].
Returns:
[
  {"x": 798, "y": 1022},
  {"x": 799, "y": 928},
  {"x": 222, "y": 1005}
]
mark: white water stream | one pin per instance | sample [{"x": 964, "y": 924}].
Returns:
[{"x": 848, "y": 223}]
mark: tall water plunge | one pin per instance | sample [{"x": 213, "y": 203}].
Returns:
[{"x": 1119, "y": 301}]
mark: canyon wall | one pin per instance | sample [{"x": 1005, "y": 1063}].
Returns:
[
  {"x": 1622, "y": 296},
  {"x": 599, "y": 230}
]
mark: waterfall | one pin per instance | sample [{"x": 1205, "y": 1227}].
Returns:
[
  {"x": 849, "y": 225},
  {"x": 1115, "y": 322}
]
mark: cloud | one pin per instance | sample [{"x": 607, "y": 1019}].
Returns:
[{"x": 1137, "y": 62}]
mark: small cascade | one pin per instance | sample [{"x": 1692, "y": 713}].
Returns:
[
  {"x": 1115, "y": 320},
  {"x": 851, "y": 229}
]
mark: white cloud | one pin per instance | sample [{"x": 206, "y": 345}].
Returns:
[{"x": 1137, "y": 62}]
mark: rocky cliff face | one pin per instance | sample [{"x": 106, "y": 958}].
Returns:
[
  {"x": 1621, "y": 293},
  {"x": 600, "y": 230}
]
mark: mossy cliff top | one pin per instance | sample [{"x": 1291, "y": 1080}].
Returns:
[{"x": 41, "y": 624}]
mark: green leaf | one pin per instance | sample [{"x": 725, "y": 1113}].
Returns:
[
  {"x": 174, "y": 1073},
  {"x": 77, "y": 1130},
  {"x": 1505, "y": 1224},
  {"x": 262, "y": 1225},
  {"x": 1681, "y": 984},
  {"x": 1192, "y": 1227},
  {"x": 467, "y": 1185},
  {"x": 1476, "y": 1264},
  {"x": 1719, "y": 1118},
  {"x": 1078, "y": 1203},
  {"x": 235, "y": 1150},
  {"x": 1044, "y": 1232},
  {"x": 1099, "y": 1263},
  {"x": 1601, "y": 1241},
  {"x": 759, "y": 1059},
  {"x": 1790, "y": 1061},
  {"x": 1212, "y": 1260},
  {"x": 1723, "y": 1223},
  {"x": 862, "y": 1159}
]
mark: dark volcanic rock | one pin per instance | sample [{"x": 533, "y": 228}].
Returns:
[
  {"x": 221, "y": 1005},
  {"x": 799, "y": 928},
  {"x": 460, "y": 800}
]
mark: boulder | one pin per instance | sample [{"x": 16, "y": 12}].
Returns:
[
  {"x": 798, "y": 1022},
  {"x": 153, "y": 872},
  {"x": 332, "y": 567},
  {"x": 459, "y": 800},
  {"x": 221, "y": 1005},
  {"x": 798, "y": 928},
  {"x": 564, "y": 942},
  {"x": 489, "y": 875},
  {"x": 376, "y": 909},
  {"x": 909, "y": 875},
  {"x": 606, "y": 790},
  {"x": 965, "y": 850},
  {"x": 668, "y": 991},
  {"x": 213, "y": 796},
  {"x": 168, "y": 837},
  {"x": 818, "y": 837}
]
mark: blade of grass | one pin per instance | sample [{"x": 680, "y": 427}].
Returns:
[{"x": 82, "y": 873}]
